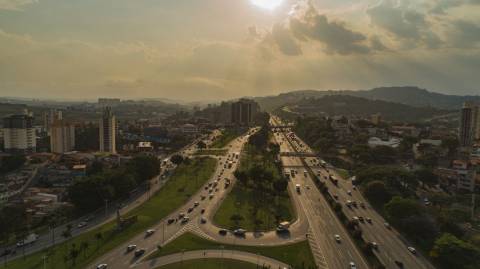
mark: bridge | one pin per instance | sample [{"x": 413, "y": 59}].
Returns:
[
  {"x": 281, "y": 126},
  {"x": 299, "y": 154}
]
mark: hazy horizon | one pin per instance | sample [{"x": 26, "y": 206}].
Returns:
[{"x": 214, "y": 49}]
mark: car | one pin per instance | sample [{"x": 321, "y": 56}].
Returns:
[
  {"x": 362, "y": 205},
  {"x": 387, "y": 225},
  {"x": 211, "y": 196},
  {"x": 239, "y": 232},
  {"x": 170, "y": 221},
  {"x": 222, "y": 232},
  {"x": 412, "y": 250},
  {"x": 352, "y": 265},
  {"x": 102, "y": 266},
  {"x": 149, "y": 232},
  {"x": 335, "y": 197},
  {"x": 185, "y": 220},
  {"x": 361, "y": 219},
  {"x": 399, "y": 263},
  {"x": 181, "y": 215},
  {"x": 374, "y": 245},
  {"x": 349, "y": 192},
  {"x": 202, "y": 211},
  {"x": 206, "y": 188},
  {"x": 82, "y": 224},
  {"x": 203, "y": 197},
  {"x": 337, "y": 238},
  {"x": 354, "y": 203},
  {"x": 203, "y": 220},
  {"x": 281, "y": 230},
  {"x": 131, "y": 247},
  {"x": 190, "y": 209},
  {"x": 139, "y": 252}
]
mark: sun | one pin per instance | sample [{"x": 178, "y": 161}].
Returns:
[{"x": 267, "y": 4}]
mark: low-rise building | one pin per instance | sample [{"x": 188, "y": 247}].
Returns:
[{"x": 392, "y": 142}]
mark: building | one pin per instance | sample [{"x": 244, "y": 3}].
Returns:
[
  {"x": 469, "y": 124},
  {"x": 243, "y": 112},
  {"x": 376, "y": 118},
  {"x": 19, "y": 134},
  {"x": 376, "y": 142},
  {"x": 189, "y": 129},
  {"x": 49, "y": 117},
  {"x": 62, "y": 136},
  {"x": 108, "y": 131}
]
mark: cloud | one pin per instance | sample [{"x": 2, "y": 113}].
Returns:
[
  {"x": 440, "y": 7},
  {"x": 285, "y": 41},
  {"x": 15, "y": 4},
  {"x": 335, "y": 35},
  {"x": 404, "y": 23},
  {"x": 465, "y": 34}
]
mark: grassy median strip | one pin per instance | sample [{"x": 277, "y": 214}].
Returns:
[
  {"x": 297, "y": 255},
  {"x": 216, "y": 152},
  {"x": 210, "y": 264},
  {"x": 78, "y": 252},
  {"x": 227, "y": 136},
  {"x": 249, "y": 208}
]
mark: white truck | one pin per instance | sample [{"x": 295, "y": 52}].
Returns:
[{"x": 30, "y": 239}]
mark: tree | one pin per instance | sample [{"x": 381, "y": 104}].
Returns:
[
  {"x": 236, "y": 218},
  {"x": 452, "y": 252},
  {"x": 84, "y": 247},
  {"x": 241, "y": 176},
  {"x": 426, "y": 176},
  {"x": 377, "y": 193},
  {"x": 95, "y": 168},
  {"x": 10, "y": 163},
  {"x": 176, "y": 159},
  {"x": 201, "y": 145},
  {"x": 400, "y": 208},
  {"x": 98, "y": 238},
  {"x": 280, "y": 186}
]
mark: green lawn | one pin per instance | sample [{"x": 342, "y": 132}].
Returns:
[
  {"x": 241, "y": 201},
  {"x": 185, "y": 181},
  {"x": 210, "y": 264},
  {"x": 343, "y": 173},
  {"x": 227, "y": 136},
  {"x": 295, "y": 254}
]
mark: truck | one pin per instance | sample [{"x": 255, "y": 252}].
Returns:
[
  {"x": 292, "y": 173},
  {"x": 297, "y": 187},
  {"x": 30, "y": 239}
]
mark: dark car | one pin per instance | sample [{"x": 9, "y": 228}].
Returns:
[
  {"x": 139, "y": 252},
  {"x": 399, "y": 264},
  {"x": 222, "y": 232},
  {"x": 170, "y": 221}
]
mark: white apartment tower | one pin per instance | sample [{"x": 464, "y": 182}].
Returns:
[
  {"x": 108, "y": 130},
  {"x": 62, "y": 136},
  {"x": 49, "y": 117},
  {"x": 19, "y": 134}
]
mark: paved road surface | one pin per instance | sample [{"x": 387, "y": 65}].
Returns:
[{"x": 212, "y": 254}]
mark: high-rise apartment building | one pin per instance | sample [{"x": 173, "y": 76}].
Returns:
[
  {"x": 19, "y": 134},
  {"x": 108, "y": 131},
  {"x": 62, "y": 136},
  {"x": 469, "y": 124},
  {"x": 49, "y": 117},
  {"x": 243, "y": 112}
]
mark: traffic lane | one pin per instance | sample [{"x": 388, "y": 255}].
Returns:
[
  {"x": 392, "y": 246},
  {"x": 119, "y": 256},
  {"x": 347, "y": 251}
]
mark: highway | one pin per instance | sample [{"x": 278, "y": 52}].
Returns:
[
  {"x": 391, "y": 245},
  {"x": 164, "y": 232},
  {"x": 324, "y": 224}
]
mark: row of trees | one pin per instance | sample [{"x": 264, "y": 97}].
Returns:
[
  {"x": 90, "y": 192},
  {"x": 10, "y": 163}
]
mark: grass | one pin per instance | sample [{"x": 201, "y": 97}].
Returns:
[
  {"x": 215, "y": 152},
  {"x": 186, "y": 180},
  {"x": 225, "y": 138},
  {"x": 242, "y": 199},
  {"x": 343, "y": 173},
  {"x": 295, "y": 255},
  {"x": 210, "y": 264}
]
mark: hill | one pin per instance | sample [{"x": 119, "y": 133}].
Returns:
[
  {"x": 411, "y": 96},
  {"x": 335, "y": 105}
]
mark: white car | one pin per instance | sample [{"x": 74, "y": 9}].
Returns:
[
  {"x": 102, "y": 266},
  {"x": 337, "y": 238},
  {"x": 82, "y": 224},
  {"x": 412, "y": 250},
  {"x": 352, "y": 265},
  {"x": 150, "y": 232}
]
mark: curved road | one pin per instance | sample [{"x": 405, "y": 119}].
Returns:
[{"x": 212, "y": 254}]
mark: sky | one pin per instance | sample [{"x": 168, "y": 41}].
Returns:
[{"x": 197, "y": 50}]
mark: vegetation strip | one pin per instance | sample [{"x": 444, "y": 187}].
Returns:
[{"x": 82, "y": 250}]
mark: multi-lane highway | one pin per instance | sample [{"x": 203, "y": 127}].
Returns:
[{"x": 392, "y": 247}]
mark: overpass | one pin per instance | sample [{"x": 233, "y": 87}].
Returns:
[{"x": 299, "y": 154}]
